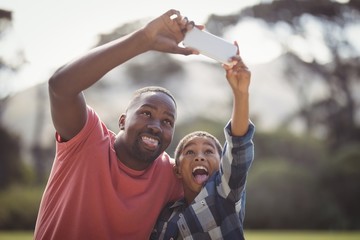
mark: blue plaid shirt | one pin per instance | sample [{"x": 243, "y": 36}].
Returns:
[{"x": 218, "y": 211}]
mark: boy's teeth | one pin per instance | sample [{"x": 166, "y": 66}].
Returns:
[{"x": 199, "y": 168}]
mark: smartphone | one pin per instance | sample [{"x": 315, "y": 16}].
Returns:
[{"x": 210, "y": 45}]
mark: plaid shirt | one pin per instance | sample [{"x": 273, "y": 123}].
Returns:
[{"x": 218, "y": 211}]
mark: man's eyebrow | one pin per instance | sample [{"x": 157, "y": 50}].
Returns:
[{"x": 171, "y": 115}]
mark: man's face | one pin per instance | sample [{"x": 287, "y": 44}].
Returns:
[
  {"x": 148, "y": 128},
  {"x": 198, "y": 160}
]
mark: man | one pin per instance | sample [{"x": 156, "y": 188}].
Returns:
[{"x": 102, "y": 185}]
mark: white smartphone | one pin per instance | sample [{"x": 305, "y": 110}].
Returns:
[{"x": 210, "y": 45}]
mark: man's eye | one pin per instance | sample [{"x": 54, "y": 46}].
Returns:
[
  {"x": 146, "y": 114},
  {"x": 168, "y": 122}
]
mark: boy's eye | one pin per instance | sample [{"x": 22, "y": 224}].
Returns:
[
  {"x": 188, "y": 152},
  {"x": 209, "y": 152}
]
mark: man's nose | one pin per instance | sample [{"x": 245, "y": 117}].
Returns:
[{"x": 155, "y": 126}]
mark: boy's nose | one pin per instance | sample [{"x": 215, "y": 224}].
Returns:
[{"x": 199, "y": 157}]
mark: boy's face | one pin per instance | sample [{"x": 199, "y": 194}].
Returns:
[{"x": 198, "y": 160}]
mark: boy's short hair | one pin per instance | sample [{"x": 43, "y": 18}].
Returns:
[{"x": 188, "y": 137}]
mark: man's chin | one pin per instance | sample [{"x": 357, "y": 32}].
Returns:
[
  {"x": 149, "y": 158},
  {"x": 148, "y": 155}
]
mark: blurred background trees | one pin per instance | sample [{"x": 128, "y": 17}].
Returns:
[
  {"x": 19, "y": 199},
  {"x": 11, "y": 162},
  {"x": 311, "y": 184},
  {"x": 307, "y": 179}
]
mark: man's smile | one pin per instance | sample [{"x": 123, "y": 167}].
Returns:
[{"x": 150, "y": 143}]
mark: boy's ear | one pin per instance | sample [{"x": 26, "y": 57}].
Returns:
[{"x": 176, "y": 170}]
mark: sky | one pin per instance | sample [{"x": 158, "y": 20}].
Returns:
[{"x": 52, "y": 32}]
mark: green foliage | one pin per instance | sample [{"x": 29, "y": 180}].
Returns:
[
  {"x": 295, "y": 184},
  {"x": 303, "y": 150},
  {"x": 280, "y": 195},
  {"x": 11, "y": 166},
  {"x": 13, "y": 170},
  {"x": 341, "y": 178},
  {"x": 19, "y": 206}
]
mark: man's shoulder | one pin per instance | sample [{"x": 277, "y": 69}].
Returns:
[{"x": 165, "y": 158}]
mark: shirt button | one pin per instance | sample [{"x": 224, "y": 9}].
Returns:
[
  {"x": 183, "y": 227},
  {"x": 203, "y": 202}
]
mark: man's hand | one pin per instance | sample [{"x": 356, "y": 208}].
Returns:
[{"x": 166, "y": 32}]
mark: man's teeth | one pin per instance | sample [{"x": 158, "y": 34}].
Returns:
[{"x": 150, "y": 141}]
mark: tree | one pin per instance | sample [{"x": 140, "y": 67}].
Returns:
[
  {"x": 334, "y": 189},
  {"x": 11, "y": 166},
  {"x": 336, "y": 111},
  {"x": 5, "y": 19}
]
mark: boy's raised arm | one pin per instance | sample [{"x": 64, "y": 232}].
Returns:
[{"x": 238, "y": 77}]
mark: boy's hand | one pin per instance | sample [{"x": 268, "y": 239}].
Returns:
[{"x": 238, "y": 75}]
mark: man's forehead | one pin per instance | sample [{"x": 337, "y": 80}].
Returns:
[{"x": 155, "y": 99}]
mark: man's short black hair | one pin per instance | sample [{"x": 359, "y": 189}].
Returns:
[{"x": 147, "y": 89}]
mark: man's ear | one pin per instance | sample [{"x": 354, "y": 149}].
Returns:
[
  {"x": 176, "y": 170},
  {"x": 122, "y": 121}
]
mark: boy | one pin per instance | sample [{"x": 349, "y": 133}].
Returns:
[{"x": 213, "y": 206}]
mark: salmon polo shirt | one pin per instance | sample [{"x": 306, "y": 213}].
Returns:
[{"x": 90, "y": 194}]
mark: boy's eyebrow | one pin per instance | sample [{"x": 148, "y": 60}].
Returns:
[
  {"x": 192, "y": 143},
  {"x": 188, "y": 144}
]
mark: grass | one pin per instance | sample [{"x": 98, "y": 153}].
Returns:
[
  {"x": 250, "y": 235},
  {"x": 302, "y": 235},
  {"x": 16, "y": 235}
]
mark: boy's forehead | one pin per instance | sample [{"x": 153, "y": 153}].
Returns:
[{"x": 203, "y": 140}]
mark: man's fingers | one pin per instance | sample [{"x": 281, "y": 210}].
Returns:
[{"x": 173, "y": 14}]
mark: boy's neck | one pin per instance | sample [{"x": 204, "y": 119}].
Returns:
[{"x": 189, "y": 195}]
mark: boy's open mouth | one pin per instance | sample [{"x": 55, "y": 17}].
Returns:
[{"x": 200, "y": 174}]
